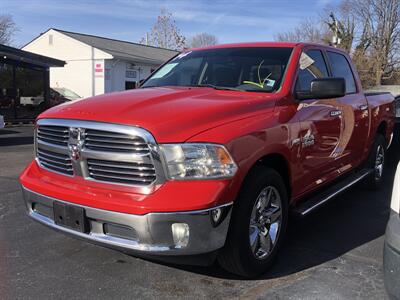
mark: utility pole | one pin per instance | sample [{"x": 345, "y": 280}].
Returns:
[{"x": 336, "y": 40}]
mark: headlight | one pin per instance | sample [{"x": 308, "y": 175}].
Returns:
[{"x": 198, "y": 161}]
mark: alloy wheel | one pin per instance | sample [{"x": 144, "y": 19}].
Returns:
[
  {"x": 265, "y": 222},
  {"x": 379, "y": 162}
]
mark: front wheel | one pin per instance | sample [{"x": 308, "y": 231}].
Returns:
[{"x": 258, "y": 224}]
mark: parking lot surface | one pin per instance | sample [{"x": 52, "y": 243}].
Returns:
[{"x": 335, "y": 253}]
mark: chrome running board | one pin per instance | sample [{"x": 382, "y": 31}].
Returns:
[{"x": 311, "y": 204}]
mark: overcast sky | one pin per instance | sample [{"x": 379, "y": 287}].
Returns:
[{"x": 230, "y": 21}]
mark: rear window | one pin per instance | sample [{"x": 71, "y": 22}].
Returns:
[{"x": 341, "y": 68}]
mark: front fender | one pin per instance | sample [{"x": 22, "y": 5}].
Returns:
[{"x": 248, "y": 140}]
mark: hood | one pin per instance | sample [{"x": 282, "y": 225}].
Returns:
[{"x": 170, "y": 114}]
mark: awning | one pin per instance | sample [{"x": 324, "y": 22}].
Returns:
[{"x": 17, "y": 55}]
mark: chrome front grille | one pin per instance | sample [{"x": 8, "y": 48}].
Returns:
[
  {"x": 53, "y": 134},
  {"x": 121, "y": 172},
  {"x": 116, "y": 154},
  {"x": 115, "y": 142},
  {"x": 54, "y": 161}
]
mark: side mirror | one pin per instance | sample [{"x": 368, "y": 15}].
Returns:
[
  {"x": 325, "y": 88},
  {"x": 328, "y": 88}
]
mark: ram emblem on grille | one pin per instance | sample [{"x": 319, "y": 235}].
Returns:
[{"x": 76, "y": 137}]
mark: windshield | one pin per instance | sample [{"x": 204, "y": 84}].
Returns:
[
  {"x": 247, "y": 69},
  {"x": 67, "y": 93}
]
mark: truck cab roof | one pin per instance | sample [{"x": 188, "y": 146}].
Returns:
[{"x": 267, "y": 44}]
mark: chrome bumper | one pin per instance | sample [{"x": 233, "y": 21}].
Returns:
[{"x": 147, "y": 234}]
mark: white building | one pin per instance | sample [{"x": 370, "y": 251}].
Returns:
[{"x": 96, "y": 65}]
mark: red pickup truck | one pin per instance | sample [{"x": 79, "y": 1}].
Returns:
[{"x": 207, "y": 159}]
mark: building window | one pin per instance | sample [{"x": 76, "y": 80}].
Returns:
[
  {"x": 51, "y": 39},
  {"x": 130, "y": 85},
  {"x": 107, "y": 74},
  {"x": 131, "y": 74}
]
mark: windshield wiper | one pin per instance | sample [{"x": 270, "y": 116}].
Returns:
[
  {"x": 216, "y": 87},
  {"x": 259, "y": 91},
  {"x": 199, "y": 85}
]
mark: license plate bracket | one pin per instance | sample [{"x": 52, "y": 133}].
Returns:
[{"x": 72, "y": 217}]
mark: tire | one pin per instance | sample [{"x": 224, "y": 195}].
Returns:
[
  {"x": 237, "y": 255},
  {"x": 376, "y": 161}
]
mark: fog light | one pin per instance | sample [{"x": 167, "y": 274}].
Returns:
[
  {"x": 216, "y": 215},
  {"x": 180, "y": 233}
]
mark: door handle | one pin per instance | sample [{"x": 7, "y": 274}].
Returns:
[
  {"x": 363, "y": 107},
  {"x": 336, "y": 113}
]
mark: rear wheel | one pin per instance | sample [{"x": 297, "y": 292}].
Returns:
[
  {"x": 258, "y": 224},
  {"x": 376, "y": 161}
]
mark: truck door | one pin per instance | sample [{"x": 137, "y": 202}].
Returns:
[
  {"x": 354, "y": 113},
  {"x": 320, "y": 125}
]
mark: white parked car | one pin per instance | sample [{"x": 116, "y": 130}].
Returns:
[
  {"x": 391, "y": 257},
  {"x": 35, "y": 101}
]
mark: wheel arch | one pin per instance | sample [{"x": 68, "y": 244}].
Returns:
[
  {"x": 279, "y": 163},
  {"x": 382, "y": 128}
]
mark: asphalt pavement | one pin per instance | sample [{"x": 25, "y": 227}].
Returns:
[{"x": 335, "y": 253}]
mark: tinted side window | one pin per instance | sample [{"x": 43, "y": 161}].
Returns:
[
  {"x": 341, "y": 68},
  {"x": 312, "y": 66}
]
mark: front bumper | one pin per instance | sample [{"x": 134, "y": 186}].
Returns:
[
  {"x": 391, "y": 256},
  {"x": 142, "y": 234}
]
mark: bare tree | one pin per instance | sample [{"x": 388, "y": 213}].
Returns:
[
  {"x": 381, "y": 22},
  {"x": 363, "y": 61},
  {"x": 368, "y": 29},
  {"x": 7, "y": 29},
  {"x": 340, "y": 22},
  {"x": 165, "y": 33},
  {"x": 203, "y": 39},
  {"x": 309, "y": 30}
]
